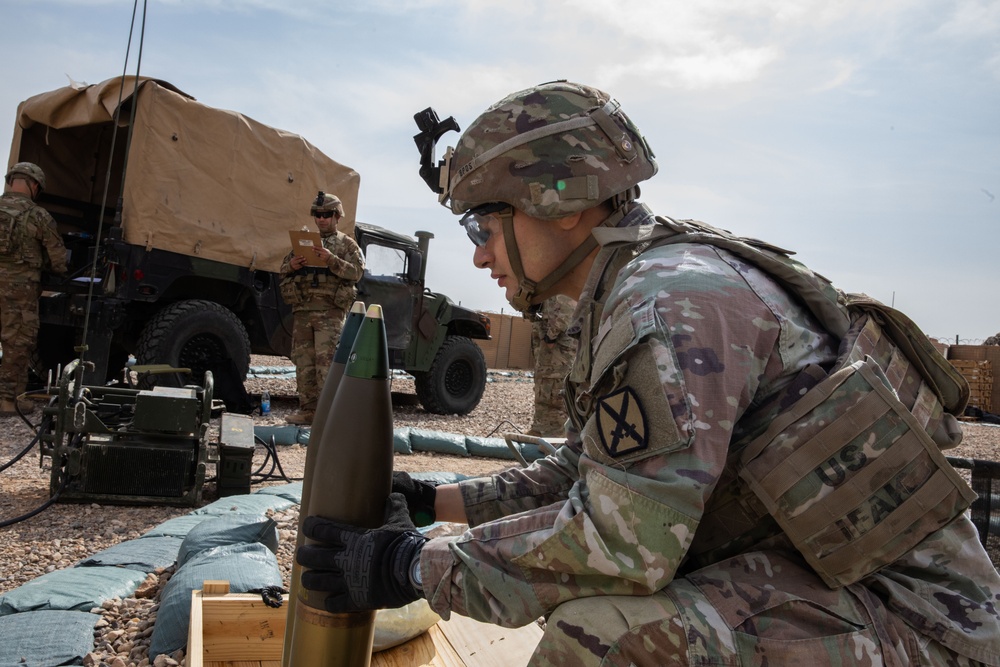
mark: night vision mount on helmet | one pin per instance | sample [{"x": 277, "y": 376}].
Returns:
[
  {"x": 326, "y": 203},
  {"x": 551, "y": 151}
]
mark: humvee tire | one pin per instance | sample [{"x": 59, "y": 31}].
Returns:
[
  {"x": 192, "y": 334},
  {"x": 456, "y": 379}
]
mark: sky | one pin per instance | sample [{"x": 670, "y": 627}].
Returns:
[{"x": 863, "y": 135}]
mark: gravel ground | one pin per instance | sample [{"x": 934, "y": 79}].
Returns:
[{"x": 65, "y": 533}]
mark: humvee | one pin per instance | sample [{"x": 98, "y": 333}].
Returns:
[{"x": 176, "y": 217}]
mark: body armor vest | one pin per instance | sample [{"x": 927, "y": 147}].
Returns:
[
  {"x": 316, "y": 288},
  {"x": 852, "y": 473},
  {"x": 12, "y": 216}
]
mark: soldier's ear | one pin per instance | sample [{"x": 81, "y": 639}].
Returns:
[{"x": 569, "y": 221}]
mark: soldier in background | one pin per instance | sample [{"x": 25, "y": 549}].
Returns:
[
  {"x": 713, "y": 375},
  {"x": 320, "y": 298},
  {"x": 553, "y": 349},
  {"x": 29, "y": 244}
]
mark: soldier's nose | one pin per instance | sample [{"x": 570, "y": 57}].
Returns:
[{"x": 480, "y": 257}]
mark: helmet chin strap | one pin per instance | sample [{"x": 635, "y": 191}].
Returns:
[{"x": 530, "y": 294}]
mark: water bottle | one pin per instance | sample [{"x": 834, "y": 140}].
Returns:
[{"x": 265, "y": 402}]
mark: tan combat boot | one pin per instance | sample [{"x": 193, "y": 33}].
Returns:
[{"x": 302, "y": 417}]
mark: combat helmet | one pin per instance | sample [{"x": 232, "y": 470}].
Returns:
[
  {"x": 551, "y": 150},
  {"x": 29, "y": 169},
  {"x": 326, "y": 203}
]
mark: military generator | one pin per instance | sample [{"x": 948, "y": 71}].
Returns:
[{"x": 118, "y": 444}]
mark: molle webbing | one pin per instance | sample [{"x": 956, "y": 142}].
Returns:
[
  {"x": 852, "y": 472},
  {"x": 819, "y": 296},
  {"x": 852, "y": 477},
  {"x": 915, "y": 356},
  {"x": 9, "y": 218}
]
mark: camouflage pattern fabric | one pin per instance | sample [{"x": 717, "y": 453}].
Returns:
[
  {"x": 691, "y": 354},
  {"x": 35, "y": 245},
  {"x": 315, "y": 334},
  {"x": 320, "y": 301},
  {"x": 737, "y": 613},
  {"x": 319, "y": 289},
  {"x": 550, "y": 150},
  {"x": 554, "y": 350}
]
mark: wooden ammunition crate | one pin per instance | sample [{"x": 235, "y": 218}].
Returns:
[
  {"x": 239, "y": 630},
  {"x": 234, "y": 629},
  {"x": 990, "y": 353},
  {"x": 979, "y": 375}
]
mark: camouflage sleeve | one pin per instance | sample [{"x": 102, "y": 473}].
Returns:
[
  {"x": 672, "y": 372},
  {"x": 557, "y": 317},
  {"x": 544, "y": 482},
  {"x": 347, "y": 262},
  {"x": 286, "y": 266},
  {"x": 47, "y": 234}
]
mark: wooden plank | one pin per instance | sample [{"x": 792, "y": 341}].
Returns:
[
  {"x": 215, "y": 587},
  {"x": 226, "y": 630},
  {"x": 237, "y": 624},
  {"x": 194, "y": 646},
  {"x": 487, "y": 645}
]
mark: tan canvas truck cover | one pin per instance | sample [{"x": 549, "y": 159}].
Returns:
[{"x": 199, "y": 181}]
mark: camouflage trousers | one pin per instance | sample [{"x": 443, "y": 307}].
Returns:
[
  {"x": 315, "y": 334},
  {"x": 755, "y": 609},
  {"x": 550, "y": 407},
  {"x": 553, "y": 361},
  {"x": 18, "y": 334}
]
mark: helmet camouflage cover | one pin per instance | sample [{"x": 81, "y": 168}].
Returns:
[
  {"x": 29, "y": 169},
  {"x": 550, "y": 151},
  {"x": 324, "y": 203}
]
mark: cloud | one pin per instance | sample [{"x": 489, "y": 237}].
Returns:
[
  {"x": 706, "y": 70},
  {"x": 972, "y": 18},
  {"x": 843, "y": 72}
]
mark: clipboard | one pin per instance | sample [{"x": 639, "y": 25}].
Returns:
[{"x": 303, "y": 243}]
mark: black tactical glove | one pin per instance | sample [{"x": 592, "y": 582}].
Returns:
[
  {"x": 419, "y": 497},
  {"x": 362, "y": 569}
]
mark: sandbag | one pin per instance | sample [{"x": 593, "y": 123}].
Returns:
[
  {"x": 144, "y": 554},
  {"x": 271, "y": 372},
  {"x": 178, "y": 527},
  {"x": 439, "y": 478},
  {"x": 283, "y": 435},
  {"x": 436, "y": 441},
  {"x": 46, "y": 638},
  {"x": 401, "y": 440},
  {"x": 248, "y": 503},
  {"x": 227, "y": 529},
  {"x": 247, "y": 567},
  {"x": 490, "y": 447},
  {"x": 291, "y": 491},
  {"x": 72, "y": 589}
]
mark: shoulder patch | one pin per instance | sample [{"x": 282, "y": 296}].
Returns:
[{"x": 622, "y": 423}]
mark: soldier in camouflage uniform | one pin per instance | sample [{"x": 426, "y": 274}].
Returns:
[
  {"x": 29, "y": 244},
  {"x": 554, "y": 350},
  {"x": 320, "y": 298},
  {"x": 650, "y": 537}
]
